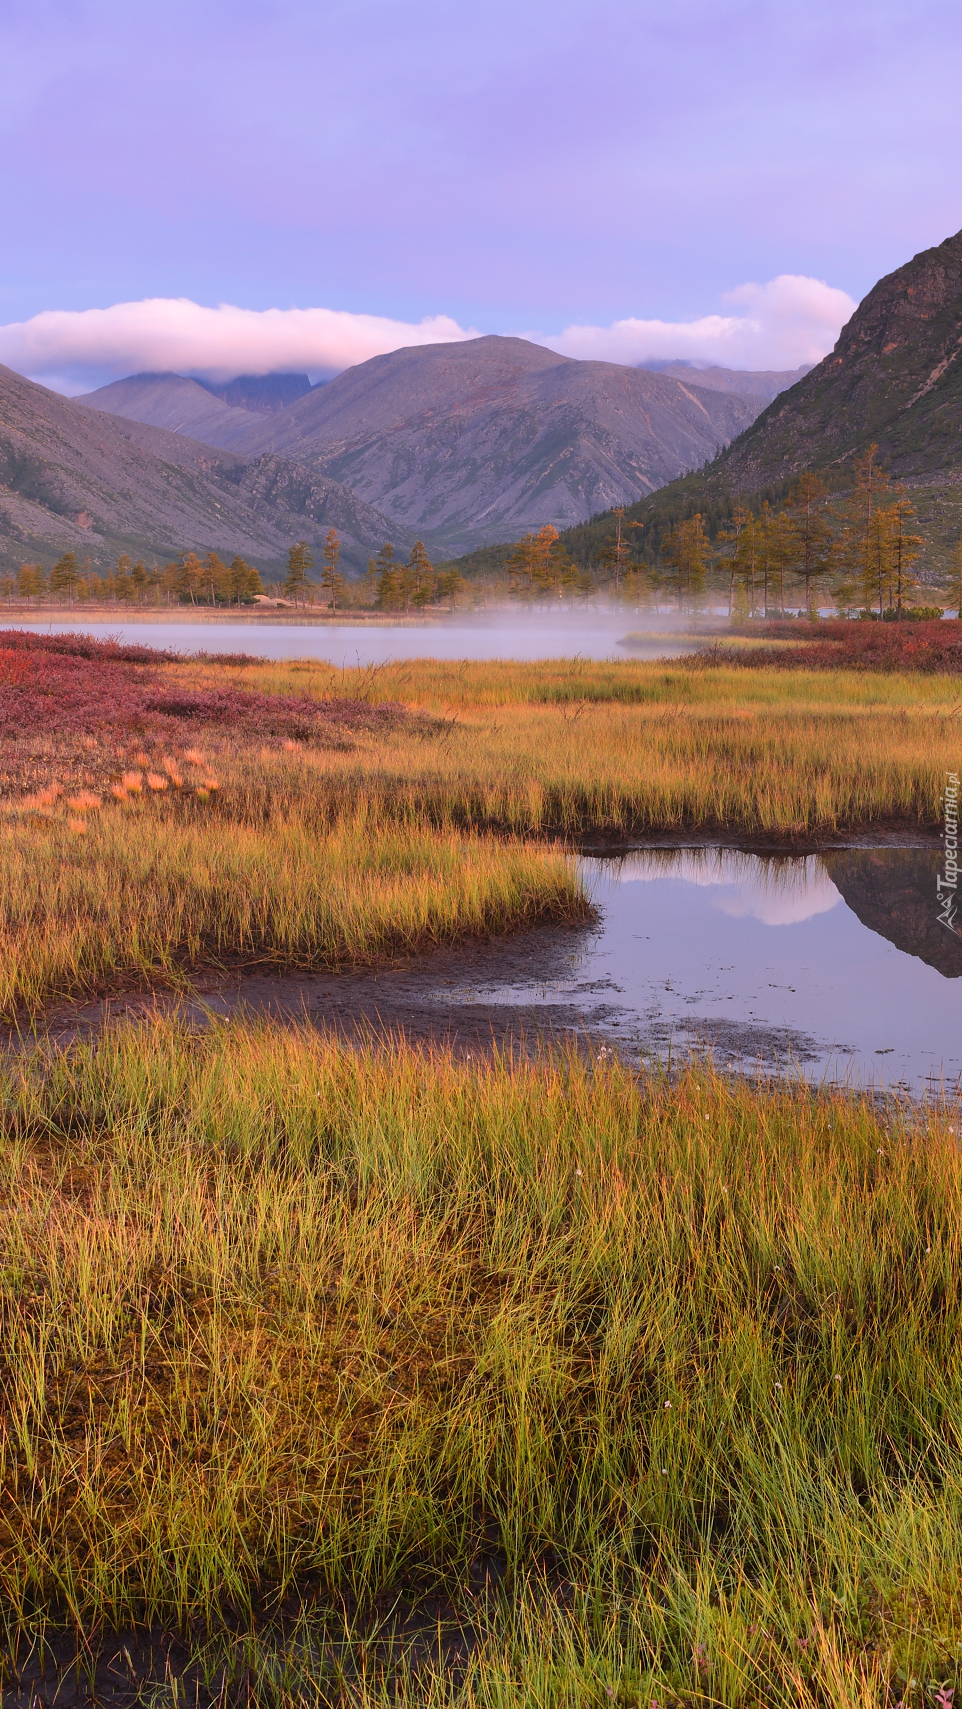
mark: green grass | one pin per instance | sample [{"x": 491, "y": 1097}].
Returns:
[{"x": 286, "y": 1321}]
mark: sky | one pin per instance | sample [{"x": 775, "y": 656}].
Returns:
[{"x": 223, "y": 186}]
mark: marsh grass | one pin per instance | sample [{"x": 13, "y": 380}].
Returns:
[
  {"x": 293, "y": 1328},
  {"x": 154, "y": 886},
  {"x": 571, "y": 747}
]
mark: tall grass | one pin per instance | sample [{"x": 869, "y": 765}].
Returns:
[
  {"x": 148, "y": 890},
  {"x": 285, "y": 1321}
]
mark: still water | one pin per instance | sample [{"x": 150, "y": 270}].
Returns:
[
  {"x": 833, "y": 965},
  {"x": 502, "y": 635}
]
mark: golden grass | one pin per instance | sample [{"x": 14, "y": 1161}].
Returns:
[
  {"x": 151, "y": 887},
  {"x": 281, "y": 1319},
  {"x": 638, "y": 748}
]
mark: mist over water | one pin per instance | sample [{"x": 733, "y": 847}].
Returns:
[{"x": 527, "y": 635}]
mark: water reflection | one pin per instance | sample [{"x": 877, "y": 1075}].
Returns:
[{"x": 832, "y": 965}]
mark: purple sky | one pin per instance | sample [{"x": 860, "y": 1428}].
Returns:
[{"x": 513, "y": 164}]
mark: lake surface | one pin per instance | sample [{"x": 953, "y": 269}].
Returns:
[
  {"x": 502, "y": 635},
  {"x": 830, "y": 965}
]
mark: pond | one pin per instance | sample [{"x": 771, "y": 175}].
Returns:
[
  {"x": 500, "y": 635},
  {"x": 832, "y": 966}
]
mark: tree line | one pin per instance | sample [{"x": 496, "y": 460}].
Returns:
[
  {"x": 189, "y": 580},
  {"x": 806, "y": 546}
]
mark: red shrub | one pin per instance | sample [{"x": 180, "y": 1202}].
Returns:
[
  {"x": 850, "y": 645},
  {"x": 48, "y": 686}
]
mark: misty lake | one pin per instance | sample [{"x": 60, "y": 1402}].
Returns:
[{"x": 499, "y": 635}]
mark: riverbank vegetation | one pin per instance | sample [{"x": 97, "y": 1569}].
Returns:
[
  {"x": 161, "y": 815},
  {"x": 586, "y": 1388}
]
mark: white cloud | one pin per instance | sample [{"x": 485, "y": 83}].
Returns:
[
  {"x": 164, "y": 334},
  {"x": 745, "y": 887},
  {"x": 779, "y": 325},
  {"x": 789, "y": 321}
]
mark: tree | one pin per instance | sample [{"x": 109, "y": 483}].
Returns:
[
  {"x": 420, "y": 576},
  {"x": 614, "y": 555},
  {"x": 243, "y": 582},
  {"x": 685, "y": 551},
  {"x": 65, "y": 576},
  {"x": 904, "y": 549},
  {"x": 331, "y": 581},
  {"x": 187, "y": 577},
  {"x": 138, "y": 576},
  {"x": 215, "y": 578},
  {"x": 299, "y": 561},
  {"x": 31, "y": 581},
  {"x": 449, "y": 585},
  {"x": 540, "y": 564},
  {"x": 861, "y": 549},
  {"x": 813, "y": 559}
]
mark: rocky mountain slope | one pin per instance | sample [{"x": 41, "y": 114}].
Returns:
[
  {"x": 894, "y": 378},
  {"x": 80, "y": 479},
  {"x": 758, "y": 386},
  {"x": 482, "y": 440}
]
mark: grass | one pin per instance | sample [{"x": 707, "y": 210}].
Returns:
[
  {"x": 575, "y": 748},
  {"x": 382, "y": 829},
  {"x": 139, "y": 891},
  {"x": 294, "y": 1331}
]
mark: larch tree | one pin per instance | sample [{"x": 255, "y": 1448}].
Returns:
[
  {"x": 686, "y": 553},
  {"x": 299, "y": 561},
  {"x": 331, "y": 581}
]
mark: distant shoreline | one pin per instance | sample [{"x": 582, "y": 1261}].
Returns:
[{"x": 213, "y": 614}]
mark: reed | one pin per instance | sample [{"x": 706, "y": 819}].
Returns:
[
  {"x": 146, "y": 888},
  {"x": 292, "y": 1328}
]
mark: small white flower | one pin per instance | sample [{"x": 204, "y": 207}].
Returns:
[
  {"x": 778, "y": 1385},
  {"x": 668, "y": 1406}
]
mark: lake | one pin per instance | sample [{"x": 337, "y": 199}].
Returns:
[{"x": 501, "y": 635}]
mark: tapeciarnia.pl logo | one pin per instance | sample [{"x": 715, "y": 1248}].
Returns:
[{"x": 947, "y": 882}]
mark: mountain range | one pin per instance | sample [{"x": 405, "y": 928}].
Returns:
[
  {"x": 475, "y": 441},
  {"x": 456, "y": 443},
  {"x": 79, "y": 479}
]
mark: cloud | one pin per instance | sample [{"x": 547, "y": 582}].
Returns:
[
  {"x": 789, "y": 321},
  {"x": 163, "y": 334},
  {"x": 782, "y": 895}
]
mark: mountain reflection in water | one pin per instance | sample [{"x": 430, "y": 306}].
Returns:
[{"x": 833, "y": 965}]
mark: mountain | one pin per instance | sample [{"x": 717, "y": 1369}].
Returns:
[
  {"x": 174, "y": 402},
  {"x": 265, "y": 394},
  {"x": 897, "y": 899},
  {"x": 761, "y": 385},
  {"x": 81, "y": 479},
  {"x": 894, "y": 378},
  {"x": 480, "y": 440}
]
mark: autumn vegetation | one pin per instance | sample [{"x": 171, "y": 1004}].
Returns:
[{"x": 380, "y": 1375}]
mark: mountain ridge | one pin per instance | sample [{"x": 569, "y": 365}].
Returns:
[
  {"x": 489, "y": 437},
  {"x": 80, "y": 479}
]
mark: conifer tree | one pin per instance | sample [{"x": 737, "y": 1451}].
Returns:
[
  {"x": 65, "y": 576},
  {"x": 299, "y": 561},
  {"x": 420, "y": 573},
  {"x": 686, "y": 553},
  {"x": 331, "y": 581},
  {"x": 812, "y": 538}
]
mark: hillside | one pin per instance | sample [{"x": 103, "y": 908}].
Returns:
[
  {"x": 464, "y": 443},
  {"x": 759, "y": 386},
  {"x": 894, "y": 378},
  {"x": 73, "y": 478}
]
